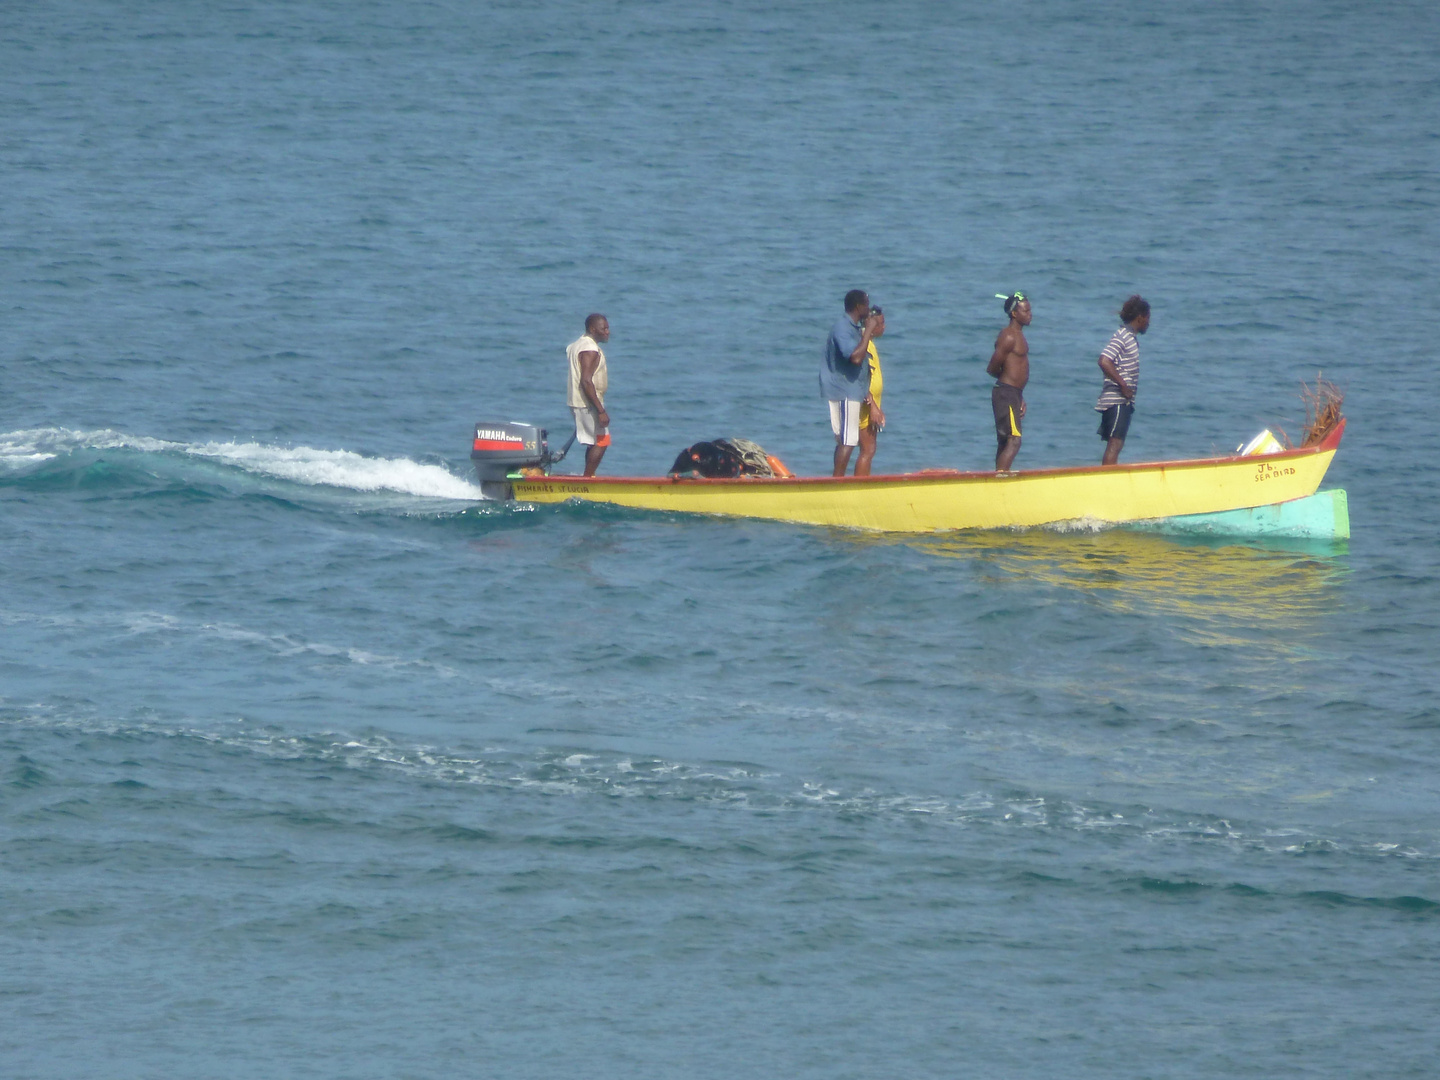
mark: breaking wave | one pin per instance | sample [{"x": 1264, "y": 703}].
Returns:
[{"x": 22, "y": 451}]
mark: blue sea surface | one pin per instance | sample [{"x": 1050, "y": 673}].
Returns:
[{"x": 314, "y": 763}]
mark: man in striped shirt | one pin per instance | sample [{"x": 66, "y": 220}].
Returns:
[{"x": 1120, "y": 361}]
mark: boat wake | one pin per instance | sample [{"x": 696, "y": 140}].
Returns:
[
  {"x": 587, "y": 772},
  {"x": 23, "y": 452}
]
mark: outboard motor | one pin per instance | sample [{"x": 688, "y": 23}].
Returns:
[{"x": 502, "y": 448}]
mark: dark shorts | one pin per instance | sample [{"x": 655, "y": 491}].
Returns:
[
  {"x": 1115, "y": 421},
  {"x": 1006, "y": 401}
]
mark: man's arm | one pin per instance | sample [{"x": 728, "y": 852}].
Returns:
[
  {"x": 861, "y": 352},
  {"x": 589, "y": 361},
  {"x": 997, "y": 358},
  {"x": 1113, "y": 374},
  {"x": 877, "y": 415}
]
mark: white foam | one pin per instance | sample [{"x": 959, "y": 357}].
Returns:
[
  {"x": 41, "y": 444},
  {"x": 1079, "y": 525},
  {"x": 341, "y": 468},
  {"x": 299, "y": 464}
]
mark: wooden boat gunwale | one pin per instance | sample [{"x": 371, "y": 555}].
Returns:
[{"x": 1328, "y": 444}]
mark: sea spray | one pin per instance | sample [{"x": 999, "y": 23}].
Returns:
[{"x": 344, "y": 469}]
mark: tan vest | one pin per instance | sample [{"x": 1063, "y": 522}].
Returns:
[{"x": 577, "y": 397}]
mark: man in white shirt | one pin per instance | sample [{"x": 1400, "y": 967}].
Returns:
[{"x": 589, "y": 379}]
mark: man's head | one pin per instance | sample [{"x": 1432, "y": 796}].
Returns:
[
  {"x": 598, "y": 327},
  {"x": 1017, "y": 306},
  {"x": 857, "y": 304},
  {"x": 1136, "y": 314}
]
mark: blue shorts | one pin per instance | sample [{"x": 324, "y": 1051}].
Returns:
[{"x": 1115, "y": 421}]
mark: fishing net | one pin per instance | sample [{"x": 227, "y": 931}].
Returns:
[
  {"x": 723, "y": 458},
  {"x": 754, "y": 460}
]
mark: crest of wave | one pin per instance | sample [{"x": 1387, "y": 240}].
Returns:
[
  {"x": 18, "y": 448},
  {"x": 300, "y": 464},
  {"x": 341, "y": 468}
]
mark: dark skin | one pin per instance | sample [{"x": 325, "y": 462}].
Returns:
[
  {"x": 589, "y": 362},
  {"x": 877, "y": 419},
  {"x": 1112, "y": 446},
  {"x": 858, "y": 314},
  {"x": 1010, "y": 364}
]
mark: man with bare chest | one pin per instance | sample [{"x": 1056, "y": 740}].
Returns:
[{"x": 1010, "y": 365}]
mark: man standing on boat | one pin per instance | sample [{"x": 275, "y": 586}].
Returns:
[
  {"x": 1010, "y": 367},
  {"x": 1120, "y": 361},
  {"x": 589, "y": 379},
  {"x": 845, "y": 373}
]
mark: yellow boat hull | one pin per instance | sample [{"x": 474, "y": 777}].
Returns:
[{"x": 945, "y": 500}]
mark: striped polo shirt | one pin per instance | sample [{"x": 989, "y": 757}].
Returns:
[{"x": 1124, "y": 352}]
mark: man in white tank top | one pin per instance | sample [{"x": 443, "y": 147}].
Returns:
[{"x": 589, "y": 379}]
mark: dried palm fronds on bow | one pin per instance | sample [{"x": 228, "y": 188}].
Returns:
[{"x": 1322, "y": 409}]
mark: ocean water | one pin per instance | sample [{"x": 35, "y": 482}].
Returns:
[{"x": 314, "y": 763}]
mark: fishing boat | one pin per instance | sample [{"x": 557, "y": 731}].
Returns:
[{"x": 1266, "y": 493}]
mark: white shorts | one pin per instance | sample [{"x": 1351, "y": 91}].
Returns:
[
  {"x": 587, "y": 431},
  {"x": 845, "y": 422}
]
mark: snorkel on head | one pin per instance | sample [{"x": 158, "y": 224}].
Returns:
[{"x": 1010, "y": 301}]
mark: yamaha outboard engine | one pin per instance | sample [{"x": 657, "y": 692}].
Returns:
[{"x": 502, "y": 448}]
